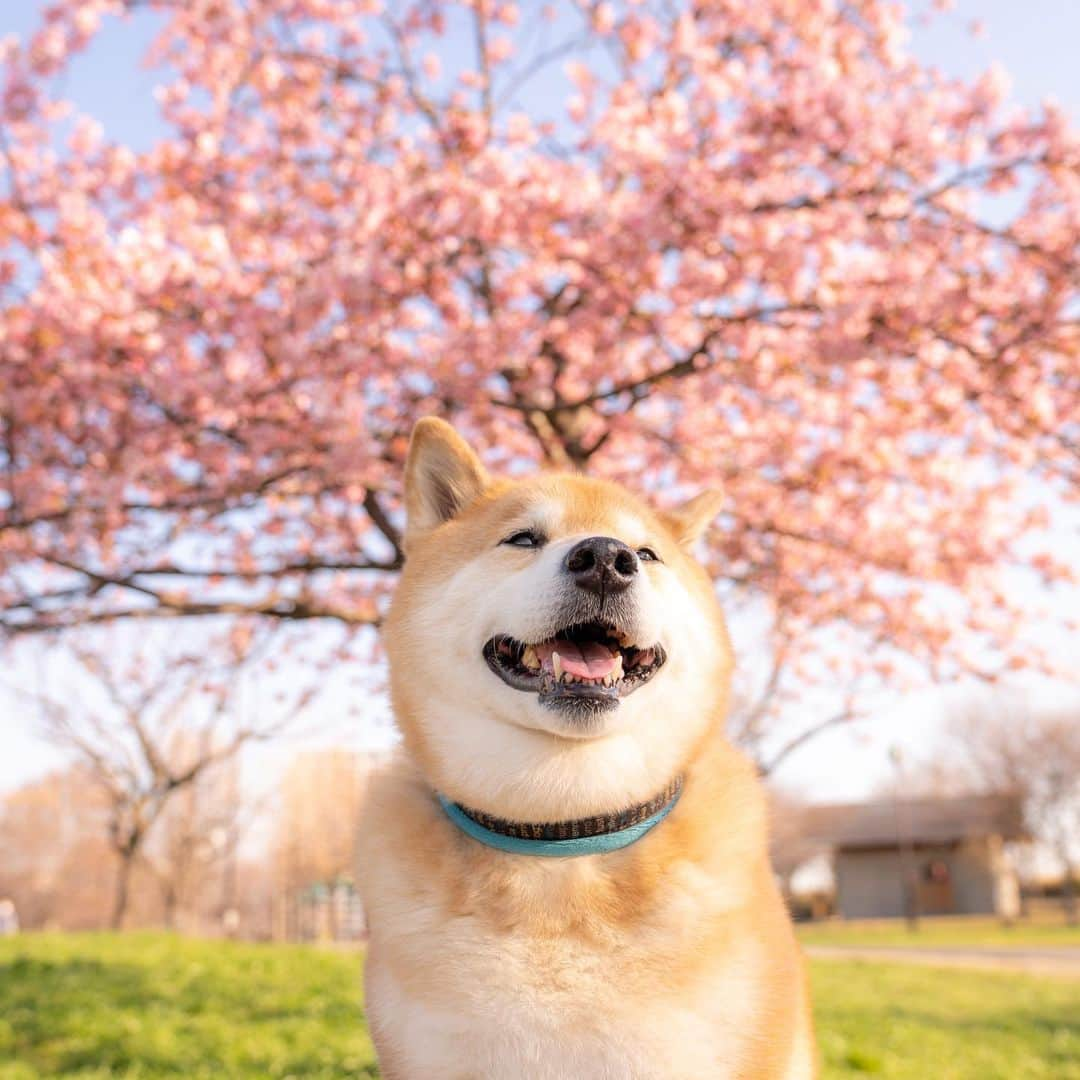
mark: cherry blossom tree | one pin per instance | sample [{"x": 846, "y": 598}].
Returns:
[{"x": 705, "y": 243}]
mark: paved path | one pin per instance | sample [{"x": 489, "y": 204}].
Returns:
[{"x": 1045, "y": 960}]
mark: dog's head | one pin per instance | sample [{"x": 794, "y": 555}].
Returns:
[{"x": 548, "y": 628}]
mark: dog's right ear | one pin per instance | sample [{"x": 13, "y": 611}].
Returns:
[
  {"x": 688, "y": 521},
  {"x": 442, "y": 476}
]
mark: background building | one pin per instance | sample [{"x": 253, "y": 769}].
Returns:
[{"x": 932, "y": 856}]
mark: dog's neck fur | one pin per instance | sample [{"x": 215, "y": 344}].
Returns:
[{"x": 523, "y": 775}]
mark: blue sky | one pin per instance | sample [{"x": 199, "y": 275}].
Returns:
[{"x": 1036, "y": 42}]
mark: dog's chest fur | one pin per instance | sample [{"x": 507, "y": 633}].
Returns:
[
  {"x": 520, "y": 1013},
  {"x": 529, "y": 968}
]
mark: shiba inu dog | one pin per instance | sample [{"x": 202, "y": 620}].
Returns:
[{"x": 566, "y": 873}]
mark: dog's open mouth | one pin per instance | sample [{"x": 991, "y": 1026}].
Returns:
[{"x": 588, "y": 662}]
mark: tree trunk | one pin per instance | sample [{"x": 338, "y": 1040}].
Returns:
[
  {"x": 120, "y": 896},
  {"x": 171, "y": 900},
  {"x": 1068, "y": 893}
]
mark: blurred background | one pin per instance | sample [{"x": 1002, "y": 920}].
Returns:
[{"x": 823, "y": 256}]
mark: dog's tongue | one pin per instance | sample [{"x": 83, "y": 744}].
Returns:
[{"x": 590, "y": 660}]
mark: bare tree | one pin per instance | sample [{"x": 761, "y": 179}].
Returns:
[
  {"x": 149, "y": 726},
  {"x": 319, "y": 808},
  {"x": 770, "y": 717},
  {"x": 791, "y": 843},
  {"x": 319, "y": 813},
  {"x": 1008, "y": 746},
  {"x": 194, "y": 839},
  {"x": 55, "y": 862}
]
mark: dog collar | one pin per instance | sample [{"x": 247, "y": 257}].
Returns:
[{"x": 584, "y": 836}]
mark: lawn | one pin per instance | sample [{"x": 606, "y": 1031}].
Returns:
[
  {"x": 151, "y": 1005},
  {"x": 907, "y": 1022},
  {"x": 148, "y": 1006},
  {"x": 943, "y": 932}
]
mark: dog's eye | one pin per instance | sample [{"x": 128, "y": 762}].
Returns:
[
  {"x": 525, "y": 539},
  {"x": 647, "y": 555}
]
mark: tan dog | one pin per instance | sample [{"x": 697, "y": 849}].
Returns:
[{"x": 557, "y": 656}]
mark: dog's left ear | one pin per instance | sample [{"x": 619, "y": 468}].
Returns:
[
  {"x": 689, "y": 521},
  {"x": 442, "y": 476}
]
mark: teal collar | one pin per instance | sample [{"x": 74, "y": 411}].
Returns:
[{"x": 588, "y": 836}]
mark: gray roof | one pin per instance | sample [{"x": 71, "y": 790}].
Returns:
[{"x": 919, "y": 821}]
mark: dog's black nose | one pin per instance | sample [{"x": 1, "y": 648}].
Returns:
[{"x": 602, "y": 565}]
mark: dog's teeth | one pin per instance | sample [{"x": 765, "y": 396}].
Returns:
[
  {"x": 556, "y": 665},
  {"x": 529, "y": 658},
  {"x": 617, "y": 671}
]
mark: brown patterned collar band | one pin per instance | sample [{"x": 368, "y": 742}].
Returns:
[{"x": 582, "y": 836}]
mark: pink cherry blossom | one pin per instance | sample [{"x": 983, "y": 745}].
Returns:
[{"x": 751, "y": 246}]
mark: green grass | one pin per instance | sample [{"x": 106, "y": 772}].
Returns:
[
  {"x": 947, "y": 931},
  {"x": 149, "y": 1006},
  {"x": 907, "y": 1022}
]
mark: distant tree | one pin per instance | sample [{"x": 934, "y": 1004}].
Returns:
[
  {"x": 769, "y": 717},
  {"x": 195, "y": 841},
  {"x": 318, "y": 817},
  {"x": 1006, "y": 745},
  {"x": 127, "y": 736},
  {"x": 791, "y": 844},
  {"x": 55, "y": 860},
  {"x": 676, "y": 244}
]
